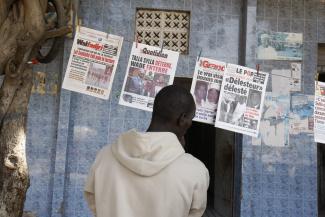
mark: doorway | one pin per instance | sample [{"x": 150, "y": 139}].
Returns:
[
  {"x": 215, "y": 148},
  {"x": 321, "y": 179},
  {"x": 321, "y": 147}
]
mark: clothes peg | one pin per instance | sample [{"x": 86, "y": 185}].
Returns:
[
  {"x": 316, "y": 79},
  {"x": 136, "y": 40},
  {"x": 108, "y": 32},
  {"x": 78, "y": 25},
  {"x": 162, "y": 46},
  {"x": 198, "y": 58},
  {"x": 257, "y": 68}
]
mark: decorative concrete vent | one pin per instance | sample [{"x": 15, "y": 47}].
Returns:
[{"x": 154, "y": 27}]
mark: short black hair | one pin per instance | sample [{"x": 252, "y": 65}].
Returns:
[{"x": 171, "y": 102}]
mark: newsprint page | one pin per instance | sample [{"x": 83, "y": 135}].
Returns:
[
  {"x": 206, "y": 84},
  {"x": 92, "y": 63},
  {"x": 241, "y": 100},
  {"x": 149, "y": 70},
  {"x": 319, "y": 112}
]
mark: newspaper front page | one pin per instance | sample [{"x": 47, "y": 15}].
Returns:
[
  {"x": 319, "y": 112},
  {"x": 149, "y": 70},
  {"x": 206, "y": 84},
  {"x": 92, "y": 63},
  {"x": 241, "y": 100}
]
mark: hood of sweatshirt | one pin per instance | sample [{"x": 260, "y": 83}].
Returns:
[{"x": 147, "y": 153}]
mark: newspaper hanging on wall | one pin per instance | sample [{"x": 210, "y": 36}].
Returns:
[
  {"x": 92, "y": 63},
  {"x": 241, "y": 100},
  {"x": 149, "y": 70},
  {"x": 205, "y": 88},
  {"x": 319, "y": 112}
]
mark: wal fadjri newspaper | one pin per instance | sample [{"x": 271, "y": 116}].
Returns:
[{"x": 92, "y": 64}]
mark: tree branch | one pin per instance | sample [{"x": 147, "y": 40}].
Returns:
[
  {"x": 7, "y": 93},
  {"x": 57, "y": 32}
]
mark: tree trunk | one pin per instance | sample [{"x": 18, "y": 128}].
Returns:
[
  {"x": 14, "y": 179},
  {"x": 22, "y": 27},
  {"x": 22, "y": 30}
]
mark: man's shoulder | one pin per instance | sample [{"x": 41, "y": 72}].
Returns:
[
  {"x": 105, "y": 149},
  {"x": 192, "y": 163},
  {"x": 192, "y": 170},
  {"x": 104, "y": 152}
]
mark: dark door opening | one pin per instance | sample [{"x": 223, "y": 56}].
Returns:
[
  {"x": 321, "y": 147},
  {"x": 321, "y": 179},
  {"x": 215, "y": 148}
]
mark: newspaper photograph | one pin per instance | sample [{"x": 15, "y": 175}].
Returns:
[
  {"x": 319, "y": 112},
  {"x": 92, "y": 63},
  {"x": 279, "y": 46},
  {"x": 206, "y": 84},
  {"x": 149, "y": 70},
  {"x": 241, "y": 100}
]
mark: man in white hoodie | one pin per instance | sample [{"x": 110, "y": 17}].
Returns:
[{"x": 149, "y": 174}]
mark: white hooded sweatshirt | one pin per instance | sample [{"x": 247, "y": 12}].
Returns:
[{"x": 147, "y": 175}]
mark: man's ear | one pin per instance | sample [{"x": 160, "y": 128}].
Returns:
[{"x": 181, "y": 121}]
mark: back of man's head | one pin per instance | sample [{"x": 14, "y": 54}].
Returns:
[{"x": 171, "y": 102}]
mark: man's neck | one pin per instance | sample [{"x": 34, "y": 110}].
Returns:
[
  {"x": 163, "y": 127},
  {"x": 158, "y": 127}
]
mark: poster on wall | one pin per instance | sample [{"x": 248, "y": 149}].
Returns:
[
  {"x": 149, "y": 70},
  {"x": 274, "y": 127},
  {"x": 301, "y": 114},
  {"x": 206, "y": 84},
  {"x": 92, "y": 63},
  {"x": 285, "y": 81},
  {"x": 241, "y": 100},
  {"x": 319, "y": 112},
  {"x": 285, "y": 115},
  {"x": 279, "y": 46}
]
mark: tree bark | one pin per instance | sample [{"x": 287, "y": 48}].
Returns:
[
  {"x": 22, "y": 28},
  {"x": 14, "y": 179}
]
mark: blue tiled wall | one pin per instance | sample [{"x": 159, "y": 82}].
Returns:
[
  {"x": 209, "y": 29},
  {"x": 65, "y": 130},
  {"x": 282, "y": 181},
  {"x": 41, "y": 139}
]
